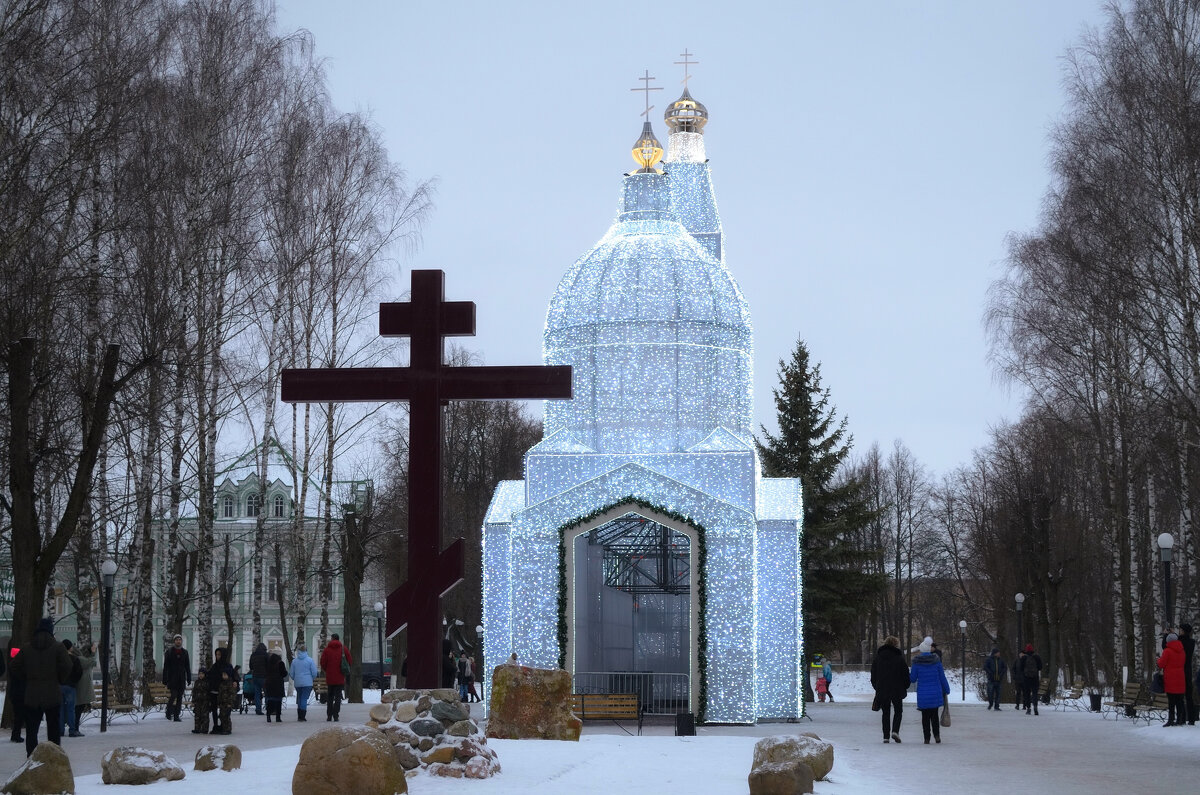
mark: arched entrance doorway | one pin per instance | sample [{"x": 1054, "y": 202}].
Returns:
[{"x": 632, "y": 607}]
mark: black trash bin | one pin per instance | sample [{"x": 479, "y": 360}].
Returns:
[
  {"x": 685, "y": 725},
  {"x": 1095, "y": 699}
]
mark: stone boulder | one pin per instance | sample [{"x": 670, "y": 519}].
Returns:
[
  {"x": 807, "y": 748},
  {"x": 348, "y": 759},
  {"x": 531, "y": 703},
  {"x": 48, "y": 770},
  {"x": 218, "y": 757},
  {"x": 781, "y": 778},
  {"x": 131, "y": 765}
]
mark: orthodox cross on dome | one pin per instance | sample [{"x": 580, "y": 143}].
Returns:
[
  {"x": 647, "y": 88},
  {"x": 427, "y": 384},
  {"x": 685, "y": 63}
]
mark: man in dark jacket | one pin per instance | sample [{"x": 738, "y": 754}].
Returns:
[
  {"x": 45, "y": 666},
  {"x": 1031, "y": 672},
  {"x": 889, "y": 677},
  {"x": 176, "y": 675},
  {"x": 258, "y": 675},
  {"x": 1189, "y": 651},
  {"x": 995, "y": 669}
]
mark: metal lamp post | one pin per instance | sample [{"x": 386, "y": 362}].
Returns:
[
  {"x": 108, "y": 569},
  {"x": 379, "y": 633},
  {"x": 962, "y": 625},
  {"x": 479, "y": 634},
  {"x": 1166, "y": 543}
]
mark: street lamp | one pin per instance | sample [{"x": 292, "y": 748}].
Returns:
[
  {"x": 478, "y": 678},
  {"x": 109, "y": 570},
  {"x": 962, "y": 625},
  {"x": 1020, "y": 604},
  {"x": 1166, "y": 542},
  {"x": 379, "y": 629}
]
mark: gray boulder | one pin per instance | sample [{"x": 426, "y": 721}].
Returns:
[
  {"x": 132, "y": 765},
  {"x": 807, "y": 748},
  {"x": 48, "y": 770}
]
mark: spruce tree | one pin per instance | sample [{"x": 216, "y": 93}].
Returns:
[{"x": 811, "y": 445}]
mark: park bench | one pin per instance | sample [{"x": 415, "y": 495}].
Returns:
[
  {"x": 1070, "y": 699},
  {"x": 159, "y": 694},
  {"x": 320, "y": 689},
  {"x": 115, "y": 707},
  {"x": 1155, "y": 707},
  {"x": 607, "y": 706},
  {"x": 1124, "y": 704}
]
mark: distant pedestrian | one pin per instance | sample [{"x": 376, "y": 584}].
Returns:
[
  {"x": 995, "y": 669},
  {"x": 471, "y": 679},
  {"x": 1031, "y": 673},
  {"x": 276, "y": 675},
  {"x": 15, "y": 693},
  {"x": 1189, "y": 653},
  {"x": 45, "y": 666},
  {"x": 461, "y": 673},
  {"x": 1174, "y": 683},
  {"x": 932, "y": 688},
  {"x": 304, "y": 671},
  {"x": 258, "y": 674},
  {"x": 176, "y": 675},
  {"x": 827, "y": 672},
  {"x": 222, "y": 687},
  {"x": 449, "y": 670},
  {"x": 67, "y": 717},
  {"x": 85, "y": 691},
  {"x": 889, "y": 678},
  {"x": 335, "y": 662}
]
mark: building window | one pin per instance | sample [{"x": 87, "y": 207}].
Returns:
[
  {"x": 227, "y": 507},
  {"x": 277, "y": 510},
  {"x": 252, "y": 505}
]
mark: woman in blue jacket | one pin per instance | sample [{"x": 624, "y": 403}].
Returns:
[
  {"x": 304, "y": 670},
  {"x": 932, "y": 688}
]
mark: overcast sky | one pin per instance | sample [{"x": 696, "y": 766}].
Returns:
[{"x": 869, "y": 160}]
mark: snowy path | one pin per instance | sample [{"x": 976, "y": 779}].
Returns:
[{"x": 983, "y": 752}]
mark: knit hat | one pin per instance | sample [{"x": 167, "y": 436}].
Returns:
[
  {"x": 926, "y": 645},
  {"x": 1028, "y": 648},
  {"x": 45, "y": 625},
  {"x": 202, "y": 671},
  {"x": 995, "y": 650},
  {"x": 1172, "y": 637},
  {"x": 1187, "y": 628},
  {"x": 177, "y": 637}
]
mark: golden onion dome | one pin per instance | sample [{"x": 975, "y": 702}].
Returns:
[
  {"x": 647, "y": 151},
  {"x": 686, "y": 114}
]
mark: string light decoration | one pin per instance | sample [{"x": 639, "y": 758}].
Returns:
[{"x": 660, "y": 341}]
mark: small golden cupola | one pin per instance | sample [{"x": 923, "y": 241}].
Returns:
[
  {"x": 647, "y": 151},
  {"x": 686, "y": 115}
]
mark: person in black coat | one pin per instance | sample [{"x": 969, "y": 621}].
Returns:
[
  {"x": 258, "y": 672},
  {"x": 44, "y": 665},
  {"x": 222, "y": 687},
  {"x": 276, "y": 675},
  {"x": 176, "y": 675},
  {"x": 889, "y": 677},
  {"x": 995, "y": 669},
  {"x": 1189, "y": 652}
]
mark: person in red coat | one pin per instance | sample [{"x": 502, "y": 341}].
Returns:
[
  {"x": 1174, "y": 681},
  {"x": 335, "y": 680}
]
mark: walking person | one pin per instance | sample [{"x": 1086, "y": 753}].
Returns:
[
  {"x": 44, "y": 665},
  {"x": 462, "y": 667},
  {"x": 68, "y": 720},
  {"x": 16, "y": 692},
  {"x": 1171, "y": 661},
  {"x": 1189, "y": 653},
  {"x": 1031, "y": 673},
  {"x": 221, "y": 688},
  {"x": 335, "y": 662},
  {"x": 176, "y": 675},
  {"x": 995, "y": 669},
  {"x": 85, "y": 691},
  {"x": 276, "y": 675},
  {"x": 827, "y": 672},
  {"x": 471, "y": 679},
  {"x": 890, "y": 678},
  {"x": 932, "y": 688},
  {"x": 1018, "y": 678},
  {"x": 304, "y": 671},
  {"x": 258, "y": 674}
]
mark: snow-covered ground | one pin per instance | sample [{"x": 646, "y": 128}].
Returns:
[{"x": 982, "y": 752}]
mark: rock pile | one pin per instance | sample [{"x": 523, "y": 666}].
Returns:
[{"x": 433, "y": 729}]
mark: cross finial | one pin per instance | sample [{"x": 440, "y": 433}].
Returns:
[
  {"x": 647, "y": 88},
  {"x": 685, "y": 63}
]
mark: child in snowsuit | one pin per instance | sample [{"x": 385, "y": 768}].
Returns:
[{"x": 200, "y": 705}]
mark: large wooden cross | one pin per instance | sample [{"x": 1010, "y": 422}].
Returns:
[{"x": 427, "y": 384}]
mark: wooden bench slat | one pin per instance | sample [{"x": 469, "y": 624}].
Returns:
[{"x": 607, "y": 706}]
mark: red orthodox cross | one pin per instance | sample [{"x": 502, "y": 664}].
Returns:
[{"x": 427, "y": 384}]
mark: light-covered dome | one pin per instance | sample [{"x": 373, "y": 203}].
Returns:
[
  {"x": 686, "y": 114},
  {"x": 657, "y": 331}
]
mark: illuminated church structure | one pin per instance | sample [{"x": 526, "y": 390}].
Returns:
[{"x": 644, "y": 551}]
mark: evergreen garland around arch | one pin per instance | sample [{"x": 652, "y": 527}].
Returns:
[{"x": 701, "y": 587}]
